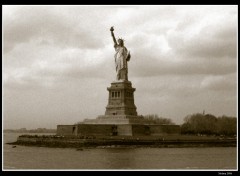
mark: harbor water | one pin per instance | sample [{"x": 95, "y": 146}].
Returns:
[{"x": 116, "y": 158}]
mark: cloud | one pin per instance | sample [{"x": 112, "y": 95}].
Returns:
[
  {"x": 147, "y": 65},
  {"x": 205, "y": 37},
  {"x": 49, "y": 25},
  {"x": 220, "y": 83},
  {"x": 210, "y": 42},
  {"x": 48, "y": 65}
]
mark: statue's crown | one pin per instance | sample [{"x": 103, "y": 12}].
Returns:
[{"x": 121, "y": 39}]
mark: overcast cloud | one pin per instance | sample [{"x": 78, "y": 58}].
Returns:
[{"x": 58, "y": 61}]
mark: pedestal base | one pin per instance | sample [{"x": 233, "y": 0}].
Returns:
[{"x": 115, "y": 119}]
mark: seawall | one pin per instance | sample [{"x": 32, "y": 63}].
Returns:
[{"x": 81, "y": 142}]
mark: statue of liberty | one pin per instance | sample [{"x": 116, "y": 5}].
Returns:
[{"x": 122, "y": 56}]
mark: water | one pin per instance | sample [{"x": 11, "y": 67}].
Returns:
[{"x": 42, "y": 158}]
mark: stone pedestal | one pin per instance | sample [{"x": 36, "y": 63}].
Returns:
[
  {"x": 120, "y": 108},
  {"x": 121, "y": 99}
]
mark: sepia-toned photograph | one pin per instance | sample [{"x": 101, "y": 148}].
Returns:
[{"x": 120, "y": 88}]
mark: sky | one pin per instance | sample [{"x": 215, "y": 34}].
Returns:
[{"x": 59, "y": 60}]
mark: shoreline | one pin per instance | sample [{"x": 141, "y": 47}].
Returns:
[{"x": 119, "y": 142}]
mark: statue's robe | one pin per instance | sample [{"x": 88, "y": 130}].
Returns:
[{"x": 122, "y": 55}]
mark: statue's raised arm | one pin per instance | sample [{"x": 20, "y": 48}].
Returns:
[{"x": 114, "y": 39}]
